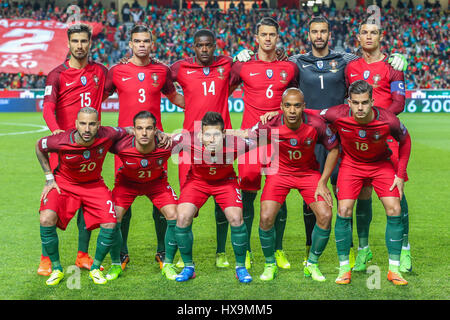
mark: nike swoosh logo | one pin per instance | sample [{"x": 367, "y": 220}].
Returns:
[
  {"x": 306, "y": 65},
  {"x": 106, "y": 245},
  {"x": 47, "y": 242},
  {"x": 130, "y": 162},
  {"x": 345, "y": 130},
  {"x": 190, "y": 71},
  {"x": 69, "y": 84},
  {"x": 125, "y": 79},
  {"x": 70, "y": 157},
  {"x": 353, "y": 75},
  {"x": 253, "y": 74},
  {"x": 172, "y": 244},
  {"x": 395, "y": 240},
  {"x": 340, "y": 240}
]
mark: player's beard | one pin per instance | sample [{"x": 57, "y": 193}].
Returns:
[
  {"x": 80, "y": 55},
  {"x": 320, "y": 46}
]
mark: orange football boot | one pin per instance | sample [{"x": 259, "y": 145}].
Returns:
[
  {"x": 396, "y": 278},
  {"x": 85, "y": 261},
  {"x": 344, "y": 277},
  {"x": 45, "y": 266}
]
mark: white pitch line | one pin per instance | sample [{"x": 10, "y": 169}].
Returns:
[{"x": 41, "y": 128}]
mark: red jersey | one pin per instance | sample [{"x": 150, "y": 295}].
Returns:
[
  {"x": 296, "y": 147},
  {"x": 67, "y": 90},
  {"x": 367, "y": 143},
  {"x": 139, "y": 88},
  {"x": 388, "y": 84},
  {"x": 264, "y": 84},
  {"x": 211, "y": 166},
  {"x": 139, "y": 167},
  {"x": 79, "y": 164},
  {"x": 204, "y": 88}
]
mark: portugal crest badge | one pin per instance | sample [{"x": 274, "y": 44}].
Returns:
[{"x": 362, "y": 133}]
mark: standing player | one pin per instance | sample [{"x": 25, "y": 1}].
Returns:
[
  {"x": 211, "y": 174},
  {"x": 322, "y": 79},
  {"x": 75, "y": 84},
  {"x": 388, "y": 93},
  {"x": 139, "y": 84},
  {"x": 297, "y": 132},
  {"x": 76, "y": 182},
  {"x": 265, "y": 79},
  {"x": 204, "y": 79},
  {"x": 364, "y": 130},
  {"x": 143, "y": 173}
]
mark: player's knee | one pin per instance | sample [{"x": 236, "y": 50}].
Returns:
[
  {"x": 109, "y": 225},
  {"x": 235, "y": 220},
  {"x": 324, "y": 218},
  {"x": 48, "y": 218},
  {"x": 169, "y": 212},
  {"x": 345, "y": 211},
  {"x": 184, "y": 220},
  {"x": 394, "y": 210},
  {"x": 267, "y": 219}
]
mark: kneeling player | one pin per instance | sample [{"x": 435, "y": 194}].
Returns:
[
  {"x": 143, "y": 174},
  {"x": 364, "y": 130},
  {"x": 211, "y": 174},
  {"x": 77, "y": 182},
  {"x": 298, "y": 168}
]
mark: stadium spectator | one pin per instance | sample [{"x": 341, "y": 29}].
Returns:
[{"x": 418, "y": 32}]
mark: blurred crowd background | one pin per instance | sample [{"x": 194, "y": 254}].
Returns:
[{"x": 421, "y": 32}]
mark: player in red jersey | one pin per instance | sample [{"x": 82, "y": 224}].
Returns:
[
  {"x": 139, "y": 84},
  {"x": 76, "y": 182},
  {"x": 264, "y": 80},
  {"x": 75, "y": 84},
  {"x": 143, "y": 173},
  {"x": 364, "y": 130},
  {"x": 388, "y": 93},
  {"x": 211, "y": 174},
  {"x": 204, "y": 79},
  {"x": 297, "y": 133}
]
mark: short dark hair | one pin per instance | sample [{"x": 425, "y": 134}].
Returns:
[
  {"x": 360, "y": 87},
  {"x": 204, "y": 33},
  {"x": 212, "y": 118},
  {"x": 87, "y": 110},
  {"x": 267, "y": 21},
  {"x": 140, "y": 28},
  {"x": 370, "y": 20},
  {"x": 144, "y": 115},
  {"x": 79, "y": 28},
  {"x": 318, "y": 19}
]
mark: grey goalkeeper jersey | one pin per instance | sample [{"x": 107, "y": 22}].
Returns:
[{"x": 322, "y": 80}]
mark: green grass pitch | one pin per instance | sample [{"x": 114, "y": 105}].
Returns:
[{"x": 21, "y": 182}]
